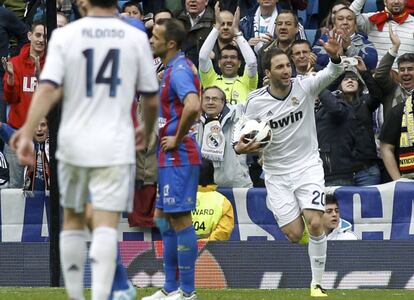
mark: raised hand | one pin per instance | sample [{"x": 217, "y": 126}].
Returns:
[
  {"x": 236, "y": 21},
  {"x": 8, "y": 67},
  {"x": 333, "y": 45},
  {"x": 22, "y": 143},
  {"x": 37, "y": 65},
  {"x": 219, "y": 21},
  {"x": 395, "y": 40}
]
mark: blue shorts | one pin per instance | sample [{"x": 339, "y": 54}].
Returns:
[{"x": 177, "y": 188}]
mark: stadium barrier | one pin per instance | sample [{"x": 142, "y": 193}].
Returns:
[
  {"x": 382, "y": 212},
  {"x": 382, "y": 215}
]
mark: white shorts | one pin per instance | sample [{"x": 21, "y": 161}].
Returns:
[
  {"x": 107, "y": 188},
  {"x": 289, "y": 194}
]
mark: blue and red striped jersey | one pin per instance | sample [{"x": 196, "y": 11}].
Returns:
[{"x": 180, "y": 78}]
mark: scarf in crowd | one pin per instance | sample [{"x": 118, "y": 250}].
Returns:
[
  {"x": 37, "y": 177},
  {"x": 384, "y": 16},
  {"x": 406, "y": 152},
  {"x": 212, "y": 147},
  {"x": 270, "y": 27}
]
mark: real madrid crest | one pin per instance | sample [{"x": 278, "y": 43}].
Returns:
[
  {"x": 214, "y": 138},
  {"x": 295, "y": 101}
]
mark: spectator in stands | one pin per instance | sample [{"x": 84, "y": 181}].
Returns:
[
  {"x": 10, "y": 27},
  {"x": 235, "y": 87},
  {"x": 213, "y": 218},
  {"x": 286, "y": 30},
  {"x": 351, "y": 87},
  {"x": 303, "y": 58},
  {"x": 398, "y": 87},
  {"x": 20, "y": 82},
  {"x": 397, "y": 142},
  {"x": 333, "y": 117},
  {"x": 215, "y": 136},
  {"x": 65, "y": 7},
  {"x": 377, "y": 25},
  {"x": 61, "y": 20},
  {"x": 335, "y": 227},
  {"x": 354, "y": 43},
  {"x": 258, "y": 26},
  {"x": 198, "y": 20},
  {"x": 132, "y": 9},
  {"x": 225, "y": 37},
  {"x": 328, "y": 22},
  {"x": 160, "y": 15},
  {"x": 36, "y": 177},
  {"x": 145, "y": 181}
]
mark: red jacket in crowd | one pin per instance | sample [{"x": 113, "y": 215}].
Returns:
[{"x": 20, "y": 94}]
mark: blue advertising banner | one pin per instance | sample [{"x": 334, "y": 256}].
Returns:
[{"x": 382, "y": 212}]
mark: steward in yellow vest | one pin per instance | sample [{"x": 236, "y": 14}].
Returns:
[{"x": 213, "y": 218}]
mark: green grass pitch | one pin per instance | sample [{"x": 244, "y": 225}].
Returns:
[{"x": 226, "y": 294}]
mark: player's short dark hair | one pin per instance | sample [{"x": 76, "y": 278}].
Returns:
[
  {"x": 132, "y": 3},
  {"x": 174, "y": 31},
  {"x": 223, "y": 94},
  {"x": 269, "y": 54},
  {"x": 288, "y": 12},
  {"x": 331, "y": 199},
  {"x": 232, "y": 48},
  {"x": 104, "y": 3},
  {"x": 406, "y": 57}
]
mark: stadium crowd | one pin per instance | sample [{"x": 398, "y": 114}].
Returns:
[
  {"x": 240, "y": 51},
  {"x": 364, "y": 123}
]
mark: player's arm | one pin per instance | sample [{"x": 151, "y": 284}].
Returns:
[
  {"x": 314, "y": 85},
  {"x": 240, "y": 145},
  {"x": 44, "y": 98},
  {"x": 188, "y": 117}
]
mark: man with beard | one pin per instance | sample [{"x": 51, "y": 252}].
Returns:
[
  {"x": 179, "y": 162},
  {"x": 377, "y": 25},
  {"x": 235, "y": 87},
  {"x": 293, "y": 170}
]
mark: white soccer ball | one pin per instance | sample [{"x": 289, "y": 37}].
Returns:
[{"x": 259, "y": 131}]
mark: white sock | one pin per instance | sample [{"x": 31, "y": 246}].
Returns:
[
  {"x": 317, "y": 255},
  {"x": 72, "y": 257},
  {"x": 103, "y": 253}
]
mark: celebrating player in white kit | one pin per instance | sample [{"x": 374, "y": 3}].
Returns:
[
  {"x": 101, "y": 62},
  {"x": 293, "y": 170}
]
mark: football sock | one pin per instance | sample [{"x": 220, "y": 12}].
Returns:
[
  {"x": 103, "y": 261},
  {"x": 121, "y": 276},
  {"x": 317, "y": 255},
  {"x": 169, "y": 240},
  {"x": 72, "y": 257},
  {"x": 187, "y": 256}
]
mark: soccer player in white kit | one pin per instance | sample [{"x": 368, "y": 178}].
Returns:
[
  {"x": 97, "y": 64},
  {"x": 293, "y": 170}
]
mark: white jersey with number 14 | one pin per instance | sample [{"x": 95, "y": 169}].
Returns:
[{"x": 101, "y": 62}]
